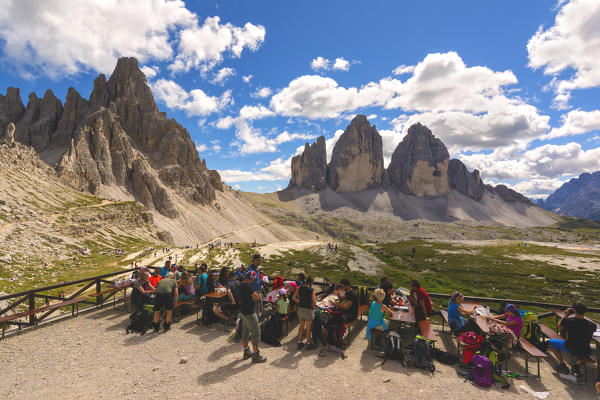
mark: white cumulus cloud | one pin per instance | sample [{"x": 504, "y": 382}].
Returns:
[
  {"x": 222, "y": 76},
  {"x": 194, "y": 103},
  {"x": 572, "y": 43},
  {"x": 577, "y": 122},
  {"x": 204, "y": 46},
  {"x": 261, "y": 93},
  {"x": 341, "y": 64},
  {"x": 319, "y": 64}
]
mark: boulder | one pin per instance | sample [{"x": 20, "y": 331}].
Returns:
[
  {"x": 357, "y": 158},
  {"x": 309, "y": 169},
  {"x": 8, "y": 137},
  {"x": 419, "y": 165},
  {"x": 467, "y": 183}
]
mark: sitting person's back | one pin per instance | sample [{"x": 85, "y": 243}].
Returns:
[
  {"x": 377, "y": 312},
  {"x": 186, "y": 287}
]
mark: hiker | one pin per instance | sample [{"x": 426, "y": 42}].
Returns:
[
  {"x": 390, "y": 296},
  {"x": 212, "y": 281},
  {"x": 155, "y": 277},
  {"x": 141, "y": 291},
  {"x": 223, "y": 311},
  {"x": 224, "y": 276},
  {"x": 377, "y": 312},
  {"x": 201, "y": 282},
  {"x": 165, "y": 269},
  {"x": 420, "y": 300},
  {"x": 455, "y": 312},
  {"x": 513, "y": 318},
  {"x": 250, "y": 325},
  {"x": 166, "y": 292},
  {"x": 579, "y": 333},
  {"x": 257, "y": 284},
  {"x": 347, "y": 301},
  {"x": 306, "y": 300},
  {"x": 186, "y": 287}
]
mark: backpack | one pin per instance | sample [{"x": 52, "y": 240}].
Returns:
[
  {"x": 141, "y": 320},
  {"x": 267, "y": 334},
  {"x": 420, "y": 354},
  {"x": 208, "y": 314},
  {"x": 482, "y": 370},
  {"x": 531, "y": 328},
  {"x": 471, "y": 343},
  {"x": 392, "y": 348},
  {"x": 363, "y": 296}
]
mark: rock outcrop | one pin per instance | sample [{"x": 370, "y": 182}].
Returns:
[
  {"x": 309, "y": 169},
  {"x": 467, "y": 183},
  {"x": 419, "y": 165},
  {"x": 8, "y": 137},
  {"x": 116, "y": 138},
  {"x": 357, "y": 158}
]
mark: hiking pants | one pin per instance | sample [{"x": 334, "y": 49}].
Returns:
[{"x": 250, "y": 328}]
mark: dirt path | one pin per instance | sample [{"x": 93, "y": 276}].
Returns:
[{"x": 92, "y": 357}]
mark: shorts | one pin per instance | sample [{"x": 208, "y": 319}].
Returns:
[
  {"x": 163, "y": 300},
  {"x": 559, "y": 344},
  {"x": 419, "y": 315},
  {"x": 229, "y": 308},
  {"x": 305, "y": 314}
]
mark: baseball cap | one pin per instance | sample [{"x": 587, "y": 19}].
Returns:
[
  {"x": 250, "y": 275},
  {"x": 255, "y": 256}
]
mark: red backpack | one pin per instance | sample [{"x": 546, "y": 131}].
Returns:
[{"x": 471, "y": 342}]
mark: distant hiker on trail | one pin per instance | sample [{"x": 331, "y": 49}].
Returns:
[
  {"x": 166, "y": 293},
  {"x": 414, "y": 250},
  {"x": 250, "y": 325}
]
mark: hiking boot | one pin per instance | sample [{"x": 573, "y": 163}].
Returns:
[
  {"x": 156, "y": 327},
  {"x": 562, "y": 368},
  {"x": 310, "y": 346},
  {"x": 247, "y": 353},
  {"x": 257, "y": 358},
  {"x": 167, "y": 326},
  {"x": 299, "y": 345}
]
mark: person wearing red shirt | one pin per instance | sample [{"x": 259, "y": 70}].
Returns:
[
  {"x": 420, "y": 301},
  {"x": 154, "y": 278}
]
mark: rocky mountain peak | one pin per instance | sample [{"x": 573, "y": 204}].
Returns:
[
  {"x": 309, "y": 169},
  {"x": 129, "y": 82},
  {"x": 419, "y": 165},
  {"x": 469, "y": 184},
  {"x": 11, "y": 107},
  {"x": 357, "y": 158}
]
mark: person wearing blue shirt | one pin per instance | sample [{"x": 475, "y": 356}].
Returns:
[
  {"x": 455, "y": 320},
  {"x": 165, "y": 269},
  {"x": 202, "y": 280}
]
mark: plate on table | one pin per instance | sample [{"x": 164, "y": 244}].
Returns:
[{"x": 597, "y": 334}]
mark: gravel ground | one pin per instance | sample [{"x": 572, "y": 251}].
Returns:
[{"x": 91, "y": 357}]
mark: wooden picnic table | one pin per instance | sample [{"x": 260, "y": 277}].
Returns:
[
  {"x": 216, "y": 294},
  {"x": 273, "y": 295},
  {"x": 404, "y": 315}
]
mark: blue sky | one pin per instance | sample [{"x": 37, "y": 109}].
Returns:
[{"x": 511, "y": 87}]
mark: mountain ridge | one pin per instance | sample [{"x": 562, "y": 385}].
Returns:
[{"x": 579, "y": 197}]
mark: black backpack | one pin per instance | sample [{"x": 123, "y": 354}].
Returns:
[
  {"x": 208, "y": 314},
  {"x": 141, "y": 320},
  {"x": 444, "y": 357},
  {"x": 420, "y": 354},
  {"x": 392, "y": 348},
  {"x": 317, "y": 331}
]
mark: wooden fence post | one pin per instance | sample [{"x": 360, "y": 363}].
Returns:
[
  {"x": 31, "y": 308},
  {"x": 98, "y": 298}
]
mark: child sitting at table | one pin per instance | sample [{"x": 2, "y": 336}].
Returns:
[
  {"x": 513, "y": 318},
  {"x": 377, "y": 312},
  {"x": 281, "y": 307}
]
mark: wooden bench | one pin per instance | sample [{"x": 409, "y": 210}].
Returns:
[
  {"x": 176, "y": 308},
  {"x": 73, "y": 303},
  {"x": 549, "y": 333},
  {"x": 531, "y": 350}
]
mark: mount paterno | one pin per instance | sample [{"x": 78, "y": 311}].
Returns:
[
  {"x": 421, "y": 181},
  {"x": 118, "y": 145}
]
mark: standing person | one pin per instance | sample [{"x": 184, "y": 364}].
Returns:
[
  {"x": 224, "y": 276},
  {"x": 421, "y": 303},
  {"x": 579, "y": 333},
  {"x": 166, "y": 292},
  {"x": 257, "y": 284},
  {"x": 306, "y": 300},
  {"x": 202, "y": 281},
  {"x": 250, "y": 325}
]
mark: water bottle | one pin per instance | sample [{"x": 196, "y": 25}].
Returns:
[{"x": 116, "y": 282}]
